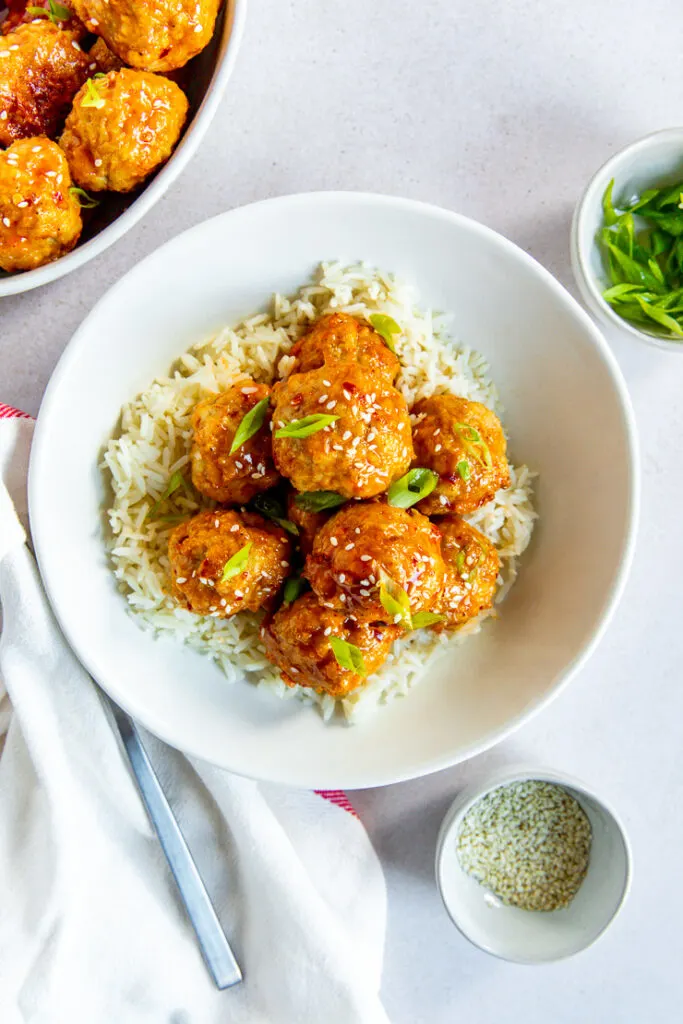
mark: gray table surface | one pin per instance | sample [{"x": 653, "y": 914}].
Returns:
[{"x": 500, "y": 111}]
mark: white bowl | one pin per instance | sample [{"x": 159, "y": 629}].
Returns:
[
  {"x": 651, "y": 162},
  {"x": 229, "y": 28},
  {"x": 569, "y": 418},
  {"x": 530, "y": 937}
]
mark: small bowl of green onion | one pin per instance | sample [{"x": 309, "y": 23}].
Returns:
[{"x": 627, "y": 240}]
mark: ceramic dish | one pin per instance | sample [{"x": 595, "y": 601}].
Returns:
[
  {"x": 210, "y": 71},
  {"x": 651, "y": 162},
  {"x": 537, "y": 937},
  {"x": 566, "y": 408}
]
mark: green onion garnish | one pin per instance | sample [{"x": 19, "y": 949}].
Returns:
[
  {"x": 306, "y": 426},
  {"x": 173, "y": 484},
  {"x": 395, "y": 600},
  {"x": 464, "y": 469},
  {"x": 237, "y": 564},
  {"x": 250, "y": 424},
  {"x": 387, "y": 327},
  {"x": 423, "y": 619},
  {"x": 411, "y": 488},
  {"x": 85, "y": 201},
  {"x": 348, "y": 655},
  {"x": 92, "y": 97},
  {"x": 318, "y": 501},
  {"x": 474, "y": 443},
  {"x": 294, "y": 587},
  {"x": 54, "y": 11},
  {"x": 270, "y": 506}
]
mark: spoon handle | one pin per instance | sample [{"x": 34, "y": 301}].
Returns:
[{"x": 213, "y": 943}]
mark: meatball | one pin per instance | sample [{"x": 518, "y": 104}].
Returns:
[
  {"x": 340, "y": 338},
  {"x": 472, "y": 567},
  {"x": 42, "y": 68},
  {"x": 116, "y": 144},
  {"x": 297, "y": 640},
  {"x": 361, "y": 546},
  {"x": 200, "y": 549},
  {"x": 157, "y": 36},
  {"x": 307, "y": 523},
  {"x": 362, "y": 452},
  {"x": 464, "y": 443},
  {"x": 231, "y": 479},
  {"x": 40, "y": 219}
]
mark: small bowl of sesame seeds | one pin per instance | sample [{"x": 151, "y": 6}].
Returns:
[{"x": 532, "y": 866}]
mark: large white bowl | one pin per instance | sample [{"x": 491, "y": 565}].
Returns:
[
  {"x": 569, "y": 418},
  {"x": 216, "y": 63}
]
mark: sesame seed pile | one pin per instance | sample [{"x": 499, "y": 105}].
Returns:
[{"x": 528, "y": 843}]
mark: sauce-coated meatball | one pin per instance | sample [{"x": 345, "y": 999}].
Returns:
[
  {"x": 40, "y": 219},
  {"x": 464, "y": 443},
  {"x": 42, "y": 67},
  {"x": 115, "y": 145},
  {"x": 105, "y": 59},
  {"x": 358, "y": 455},
  {"x": 157, "y": 35},
  {"x": 297, "y": 640},
  {"x": 200, "y": 549},
  {"x": 231, "y": 479},
  {"x": 307, "y": 523},
  {"x": 361, "y": 543},
  {"x": 472, "y": 566},
  {"x": 340, "y": 338}
]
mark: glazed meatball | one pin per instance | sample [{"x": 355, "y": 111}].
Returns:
[
  {"x": 116, "y": 144},
  {"x": 199, "y": 551},
  {"x": 158, "y": 35},
  {"x": 365, "y": 543},
  {"x": 307, "y": 523},
  {"x": 464, "y": 443},
  {"x": 40, "y": 219},
  {"x": 297, "y": 640},
  {"x": 231, "y": 479},
  {"x": 472, "y": 566},
  {"x": 340, "y": 338},
  {"x": 362, "y": 452},
  {"x": 42, "y": 68}
]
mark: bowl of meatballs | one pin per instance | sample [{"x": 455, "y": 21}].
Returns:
[
  {"x": 335, "y": 522},
  {"x": 102, "y": 104}
]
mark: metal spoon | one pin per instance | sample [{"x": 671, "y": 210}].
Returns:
[{"x": 215, "y": 947}]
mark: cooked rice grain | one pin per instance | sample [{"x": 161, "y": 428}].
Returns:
[{"x": 154, "y": 441}]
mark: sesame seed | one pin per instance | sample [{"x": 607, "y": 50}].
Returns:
[
  {"x": 75, "y": 45},
  {"x": 98, "y": 162},
  {"x": 330, "y": 405},
  {"x": 238, "y": 593},
  {"x": 198, "y": 28},
  {"x": 366, "y": 558},
  {"x": 323, "y": 398},
  {"x": 249, "y": 391},
  {"x": 437, "y": 432},
  {"x": 338, "y": 447},
  {"x": 256, "y": 476},
  {"x": 443, "y": 499},
  {"x": 36, "y": 149},
  {"x": 6, "y": 221},
  {"x": 346, "y": 435},
  {"x": 327, "y": 383},
  {"x": 50, "y": 174},
  {"x": 235, "y": 528},
  {"x": 293, "y": 668},
  {"x": 22, "y": 204},
  {"x": 357, "y": 530},
  {"x": 3, "y": 115},
  {"x": 342, "y": 577},
  {"x": 437, "y": 447},
  {"x": 327, "y": 630},
  {"x": 4, "y": 53},
  {"x": 342, "y": 598},
  {"x": 91, "y": 67},
  {"x": 365, "y": 593},
  {"x": 284, "y": 564},
  {"x": 349, "y": 547},
  {"x": 181, "y": 579},
  {"x": 365, "y": 583},
  {"x": 333, "y": 541},
  {"x": 216, "y": 523}
]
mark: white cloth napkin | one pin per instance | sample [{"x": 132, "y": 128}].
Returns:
[{"x": 91, "y": 927}]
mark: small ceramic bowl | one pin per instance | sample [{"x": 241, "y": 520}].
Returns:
[
  {"x": 535, "y": 937},
  {"x": 651, "y": 162}
]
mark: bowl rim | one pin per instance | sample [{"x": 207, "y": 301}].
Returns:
[
  {"x": 233, "y": 30},
  {"x": 585, "y": 279},
  {"x": 471, "y": 794},
  {"x": 159, "y": 726}
]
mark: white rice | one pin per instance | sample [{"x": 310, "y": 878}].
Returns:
[{"x": 154, "y": 441}]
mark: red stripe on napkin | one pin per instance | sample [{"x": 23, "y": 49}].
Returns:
[
  {"x": 8, "y": 412},
  {"x": 337, "y": 797}
]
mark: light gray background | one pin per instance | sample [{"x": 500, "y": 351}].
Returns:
[{"x": 500, "y": 110}]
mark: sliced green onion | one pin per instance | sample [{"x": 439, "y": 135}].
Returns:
[
  {"x": 395, "y": 600},
  {"x": 474, "y": 443},
  {"x": 294, "y": 587},
  {"x": 411, "y": 488},
  {"x": 54, "y": 11},
  {"x": 464, "y": 469},
  {"x": 387, "y": 327},
  {"x": 173, "y": 484},
  {"x": 318, "y": 501},
  {"x": 92, "y": 97},
  {"x": 250, "y": 424},
  {"x": 423, "y": 619},
  {"x": 306, "y": 426},
  {"x": 348, "y": 655},
  {"x": 237, "y": 564},
  {"x": 272, "y": 508},
  {"x": 85, "y": 201}
]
